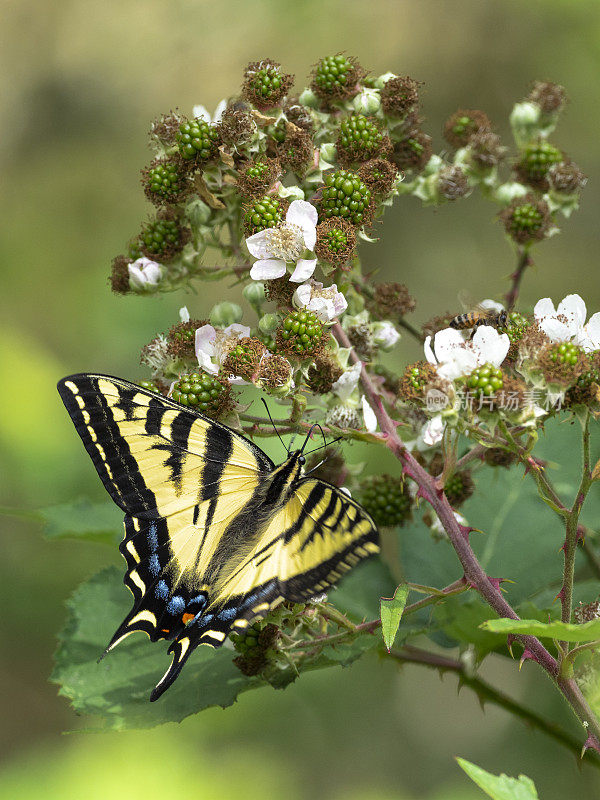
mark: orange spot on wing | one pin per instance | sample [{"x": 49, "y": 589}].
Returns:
[
  {"x": 187, "y": 617},
  {"x": 164, "y": 630}
]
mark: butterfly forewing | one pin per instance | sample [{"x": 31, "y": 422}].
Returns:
[{"x": 210, "y": 543}]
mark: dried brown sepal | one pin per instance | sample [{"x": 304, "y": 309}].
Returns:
[
  {"x": 165, "y": 128},
  {"x": 498, "y": 457},
  {"x": 463, "y": 124},
  {"x": 415, "y": 381},
  {"x": 181, "y": 338},
  {"x": 119, "y": 275},
  {"x": 566, "y": 177},
  {"x": 236, "y": 127},
  {"x": 323, "y": 373},
  {"x": 298, "y": 115},
  {"x": 554, "y": 372},
  {"x": 587, "y": 612},
  {"x": 280, "y": 291},
  {"x": 453, "y": 183},
  {"x": 251, "y": 92},
  {"x": 400, "y": 95},
  {"x": 348, "y": 156},
  {"x": 185, "y": 188},
  {"x": 486, "y": 149},
  {"x": 532, "y": 341},
  {"x": 379, "y": 174},
  {"x": 512, "y": 219},
  {"x": 413, "y": 152},
  {"x": 296, "y": 152},
  {"x": 337, "y": 233},
  {"x": 362, "y": 341},
  {"x": 393, "y": 299},
  {"x": 513, "y": 395},
  {"x": 244, "y": 357},
  {"x": 274, "y": 371},
  {"x": 550, "y": 97},
  {"x": 340, "y": 92},
  {"x": 328, "y": 465},
  {"x": 255, "y": 186}
]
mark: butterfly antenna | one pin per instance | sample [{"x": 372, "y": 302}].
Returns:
[
  {"x": 327, "y": 444},
  {"x": 309, "y": 434},
  {"x": 273, "y": 424}
]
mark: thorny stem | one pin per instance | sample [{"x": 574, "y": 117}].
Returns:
[
  {"x": 488, "y": 693},
  {"x": 572, "y": 527},
  {"x": 524, "y": 261},
  {"x": 458, "y": 536}
]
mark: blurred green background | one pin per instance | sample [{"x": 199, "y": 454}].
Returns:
[{"x": 80, "y": 81}]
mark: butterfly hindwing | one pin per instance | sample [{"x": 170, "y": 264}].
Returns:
[{"x": 215, "y": 534}]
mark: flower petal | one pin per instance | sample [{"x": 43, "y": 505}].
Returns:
[
  {"x": 205, "y": 349},
  {"x": 573, "y": 308},
  {"x": 544, "y": 308},
  {"x": 302, "y": 295},
  {"x": 347, "y": 383},
  {"x": 201, "y": 112},
  {"x": 184, "y": 314},
  {"x": 490, "y": 345},
  {"x": 428, "y": 351},
  {"x": 268, "y": 269},
  {"x": 369, "y": 416},
  {"x": 257, "y": 244},
  {"x": 589, "y": 337},
  {"x": 305, "y": 216},
  {"x": 555, "y": 330},
  {"x": 304, "y": 268},
  {"x": 237, "y": 330},
  {"x": 433, "y": 431},
  {"x": 492, "y": 304},
  {"x": 219, "y": 111},
  {"x": 446, "y": 342}
]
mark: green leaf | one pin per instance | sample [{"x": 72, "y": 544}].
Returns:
[
  {"x": 567, "y": 632},
  {"x": 117, "y": 688},
  {"x": 81, "y": 519},
  {"x": 392, "y": 609},
  {"x": 500, "y": 787},
  {"x": 461, "y": 620}
]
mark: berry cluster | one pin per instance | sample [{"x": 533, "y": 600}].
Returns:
[
  {"x": 264, "y": 213},
  {"x": 300, "y": 333},
  {"x": 197, "y": 139},
  {"x": 538, "y": 157},
  {"x": 526, "y": 219},
  {"x": 486, "y": 380},
  {"x": 360, "y": 139},
  {"x": 386, "y": 499},
  {"x": 200, "y": 391},
  {"x": 345, "y": 195},
  {"x": 164, "y": 181},
  {"x": 334, "y": 75},
  {"x": 565, "y": 353},
  {"x": 162, "y": 238}
]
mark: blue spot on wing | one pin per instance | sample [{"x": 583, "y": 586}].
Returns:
[
  {"x": 176, "y": 605},
  {"x": 161, "y": 590},
  {"x": 227, "y": 613},
  {"x": 154, "y": 565},
  {"x": 153, "y": 536}
]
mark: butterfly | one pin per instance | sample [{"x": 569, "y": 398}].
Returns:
[{"x": 216, "y": 535}]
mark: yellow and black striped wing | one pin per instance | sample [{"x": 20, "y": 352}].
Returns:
[{"x": 180, "y": 478}]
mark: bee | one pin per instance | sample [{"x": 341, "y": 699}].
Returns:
[{"x": 480, "y": 315}]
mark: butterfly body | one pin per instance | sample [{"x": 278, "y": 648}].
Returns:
[{"x": 216, "y": 534}]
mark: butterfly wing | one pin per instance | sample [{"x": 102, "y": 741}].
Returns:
[
  {"x": 179, "y": 477},
  {"x": 308, "y": 545}
]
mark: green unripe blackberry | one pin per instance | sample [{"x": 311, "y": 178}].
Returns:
[
  {"x": 243, "y": 359},
  {"x": 151, "y": 386},
  {"x": 565, "y": 353},
  {"x": 336, "y": 240},
  {"x": 162, "y": 238},
  {"x": 336, "y": 77},
  {"x": 278, "y": 132},
  {"x": 464, "y": 124},
  {"x": 197, "y": 139},
  {"x": 537, "y": 159},
  {"x": 200, "y": 391},
  {"x": 300, "y": 333},
  {"x": 165, "y": 181},
  {"x": 360, "y": 139},
  {"x": 589, "y": 377},
  {"x": 265, "y": 84},
  {"x": 345, "y": 195},
  {"x": 486, "y": 380},
  {"x": 386, "y": 499},
  {"x": 133, "y": 249},
  {"x": 267, "y": 212},
  {"x": 416, "y": 378},
  {"x": 526, "y": 219},
  {"x": 459, "y": 487}
]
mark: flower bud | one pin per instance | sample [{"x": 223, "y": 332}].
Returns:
[
  {"x": 290, "y": 192},
  {"x": 269, "y": 323},
  {"x": 255, "y": 294},
  {"x": 328, "y": 152},
  {"x": 525, "y": 122},
  {"x": 385, "y": 335},
  {"x": 225, "y": 313},
  {"x": 380, "y": 82},
  {"x": 367, "y": 102},
  {"x": 144, "y": 274},
  {"x": 197, "y": 212},
  {"x": 509, "y": 191},
  {"x": 309, "y": 98}
]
